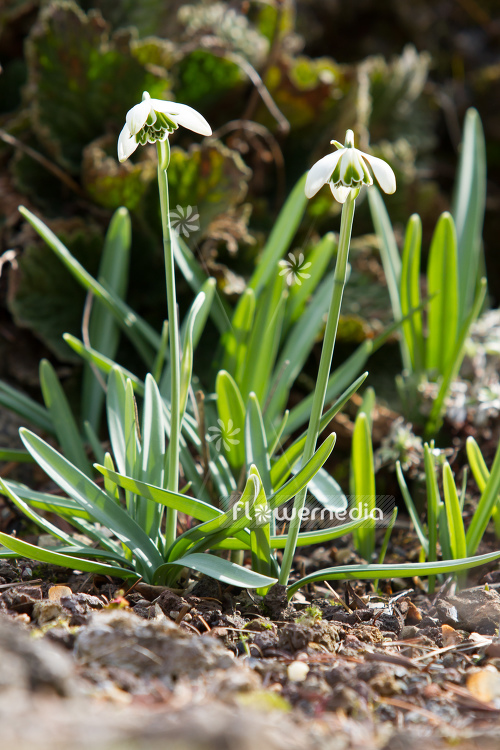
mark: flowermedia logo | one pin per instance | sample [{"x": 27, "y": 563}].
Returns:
[
  {"x": 185, "y": 220},
  {"x": 294, "y": 269},
  {"x": 224, "y": 435},
  {"x": 360, "y": 510}
]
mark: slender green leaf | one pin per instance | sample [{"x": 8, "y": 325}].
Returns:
[
  {"x": 309, "y": 278},
  {"x": 410, "y": 292},
  {"x": 101, "y": 362},
  {"x": 485, "y": 507},
  {"x": 183, "y": 503},
  {"x": 235, "y": 341},
  {"x": 363, "y": 485},
  {"x": 304, "y": 476},
  {"x": 455, "y": 362},
  {"x": 140, "y": 333},
  {"x": 390, "y": 260},
  {"x": 468, "y": 208},
  {"x": 256, "y": 449},
  {"x": 231, "y": 411},
  {"x": 92, "y": 499},
  {"x": 104, "y": 332},
  {"x": 442, "y": 286},
  {"x": 264, "y": 341},
  {"x": 477, "y": 464},
  {"x": 196, "y": 278},
  {"x": 219, "y": 569},
  {"x": 62, "y": 418},
  {"x": 281, "y": 236},
  {"x": 453, "y": 514},
  {"x": 26, "y": 407},
  {"x": 32, "y": 552},
  {"x": 412, "y": 511},
  {"x": 406, "y": 570},
  {"x": 298, "y": 346}
]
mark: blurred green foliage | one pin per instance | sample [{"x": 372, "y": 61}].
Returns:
[{"x": 71, "y": 71}]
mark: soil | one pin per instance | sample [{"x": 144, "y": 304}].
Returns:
[{"x": 87, "y": 664}]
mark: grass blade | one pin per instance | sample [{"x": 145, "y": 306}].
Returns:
[
  {"x": 453, "y": 514},
  {"x": 281, "y": 236},
  {"x": 104, "y": 332},
  {"x": 406, "y": 570},
  {"x": 62, "y": 418},
  {"x": 468, "y": 208},
  {"x": 442, "y": 287},
  {"x": 410, "y": 292},
  {"x": 363, "y": 485}
]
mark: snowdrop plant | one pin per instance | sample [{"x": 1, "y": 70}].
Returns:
[
  {"x": 228, "y": 444},
  {"x": 345, "y": 171},
  {"x": 152, "y": 121}
]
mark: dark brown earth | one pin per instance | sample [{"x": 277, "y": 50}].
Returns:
[{"x": 85, "y": 664}]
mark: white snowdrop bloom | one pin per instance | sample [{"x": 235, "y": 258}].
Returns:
[
  {"x": 153, "y": 120},
  {"x": 347, "y": 169}
]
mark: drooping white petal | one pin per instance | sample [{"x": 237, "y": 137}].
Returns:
[
  {"x": 183, "y": 115},
  {"x": 340, "y": 192},
  {"x": 137, "y": 116},
  {"x": 127, "y": 144},
  {"x": 320, "y": 173},
  {"x": 383, "y": 173}
]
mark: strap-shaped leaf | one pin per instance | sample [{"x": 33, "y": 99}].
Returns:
[
  {"x": 298, "y": 346},
  {"x": 304, "y": 476},
  {"x": 453, "y": 514},
  {"x": 45, "y": 525},
  {"x": 477, "y": 463},
  {"x": 32, "y": 552},
  {"x": 264, "y": 341},
  {"x": 222, "y": 570},
  {"x": 390, "y": 260},
  {"x": 140, "y": 333},
  {"x": 26, "y": 407},
  {"x": 228, "y": 524},
  {"x": 485, "y": 507},
  {"x": 62, "y": 418},
  {"x": 231, "y": 410},
  {"x": 363, "y": 484},
  {"x": 309, "y": 275},
  {"x": 256, "y": 449},
  {"x": 92, "y": 499},
  {"x": 412, "y": 511},
  {"x": 442, "y": 287},
  {"x": 153, "y": 457},
  {"x": 104, "y": 332},
  {"x": 235, "y": 340},
  {"x": 469, "y": 203},
  {"x": 281, "y": 470},
  {"x": 406, "y": 570},
  {"x": 101, "y": 362},
  {"x": 281, "y": 236},
  {"x": 183, "y": 503},
  {"x": 410, "y": 292}
]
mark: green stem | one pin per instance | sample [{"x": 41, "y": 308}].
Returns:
[
  {"x": 173, "y": 326},
  {"x": 322, "y": 381}
]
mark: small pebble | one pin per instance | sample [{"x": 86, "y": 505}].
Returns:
[{"x": 297, "y": 671}]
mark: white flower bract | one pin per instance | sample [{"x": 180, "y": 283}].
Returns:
[
  {"x": 347, "y": 169},
  {"x": 153, "y": 120}
]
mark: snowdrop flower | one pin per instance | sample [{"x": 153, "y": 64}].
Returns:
[
  {"x": 153, "y": 120},
  {"x": 346, "y": 170}
]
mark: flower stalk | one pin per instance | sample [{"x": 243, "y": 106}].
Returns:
[
  {"x": 318, "y": 403},
  {"x": 163, "y": 149}
]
